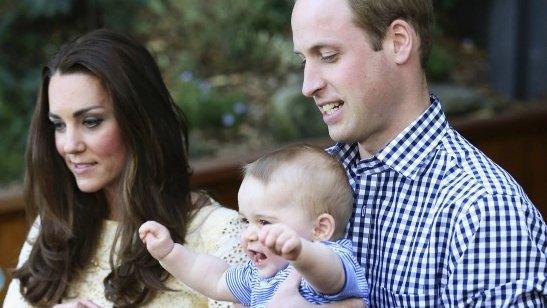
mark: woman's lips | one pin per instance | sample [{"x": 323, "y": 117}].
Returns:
[{"x": 80, "y": 168}]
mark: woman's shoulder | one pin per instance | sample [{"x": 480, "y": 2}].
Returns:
[
  {"x": 215, "y": 229},
  {"x": 212, "y": 214}
]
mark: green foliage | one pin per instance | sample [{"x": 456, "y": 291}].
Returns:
[
  {"x": 214, "y": 39},
  {"x": 292, "y": 116},
  {"x": 228, "y": 65},
  {"x": 440, "y": 63},
  {"x": 216, "y": 113}
]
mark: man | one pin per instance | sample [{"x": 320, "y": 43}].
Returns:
[{"x": 435, "y": 222}]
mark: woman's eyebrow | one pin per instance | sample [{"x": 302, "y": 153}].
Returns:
[{"x": 76, "y": 113}]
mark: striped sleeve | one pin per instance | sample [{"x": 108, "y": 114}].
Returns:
[{"x": 238, "y": 280}]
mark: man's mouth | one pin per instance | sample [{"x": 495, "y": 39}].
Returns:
[{"x": 330, "y": 108}]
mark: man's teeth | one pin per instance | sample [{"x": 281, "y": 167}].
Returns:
[{"x": 331, "y": 107}]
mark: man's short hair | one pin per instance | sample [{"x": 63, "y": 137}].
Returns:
[
  {"x": 323, "y": 182},
  {"x": 375, "y": 16}
]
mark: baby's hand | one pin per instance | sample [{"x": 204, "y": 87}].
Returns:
[
  {"x": 157, "y": 239},
  {"x": 281, "y": 240}
]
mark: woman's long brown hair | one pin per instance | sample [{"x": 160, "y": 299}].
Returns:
[{"x": 154, "y": 184}]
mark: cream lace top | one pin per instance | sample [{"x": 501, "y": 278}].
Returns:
[{"x": 213, "y": 230}]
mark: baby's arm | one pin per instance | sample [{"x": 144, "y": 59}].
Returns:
[
  {"x": 203, "y": 273},
  {"x": 317, "y": 263}
]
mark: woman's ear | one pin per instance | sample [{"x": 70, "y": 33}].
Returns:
[
  {"x": 324, "y": 227},
  {"x": 402, "y": 38}
]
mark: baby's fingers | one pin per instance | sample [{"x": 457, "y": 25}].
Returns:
[
  {"x": 269, "y": 235},
  {"x": 291, "y": 248}
]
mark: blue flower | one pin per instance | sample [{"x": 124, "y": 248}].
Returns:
[
  {"x": 204, "y": 87},
  {"x": 228, "y": 119},
  {"x": 240, "y": 108},
  {"x": 187, "y": 76}
]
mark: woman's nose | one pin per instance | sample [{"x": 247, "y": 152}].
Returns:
[{"x": 72, "y": 142}]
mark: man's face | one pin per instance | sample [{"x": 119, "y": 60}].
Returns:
[{"x": 349, "y": 81}]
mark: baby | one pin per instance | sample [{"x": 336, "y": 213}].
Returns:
[{"x": 293, "y": 202}]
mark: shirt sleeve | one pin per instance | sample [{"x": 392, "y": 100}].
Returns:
[
  {"x": 355, "y": 285},
  {"x": 499, "y": 255},
  {"x": 13, "y": 296},
  {"x": 238, "y": 279}
]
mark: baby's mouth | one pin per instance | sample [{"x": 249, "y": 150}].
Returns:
[{"x": 256, "y": 257}]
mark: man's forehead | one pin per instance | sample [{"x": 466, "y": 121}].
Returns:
[
  {"x": 317, "y": 23},
  {"x": 321, "y": 13}
]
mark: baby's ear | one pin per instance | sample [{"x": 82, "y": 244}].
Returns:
[{"x": 324, "y": 227}]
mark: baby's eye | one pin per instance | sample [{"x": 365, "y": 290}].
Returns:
[
  {"x": 244, "y": 221},
  {"x": 264, "y": 222}
]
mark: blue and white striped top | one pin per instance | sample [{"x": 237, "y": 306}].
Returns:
[{"x": 251, "y": 289}]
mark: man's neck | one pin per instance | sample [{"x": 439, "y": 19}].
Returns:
[{"x": 411, "y": 107}]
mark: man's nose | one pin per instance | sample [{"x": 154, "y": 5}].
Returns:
[{"x": 313, "y": 82}]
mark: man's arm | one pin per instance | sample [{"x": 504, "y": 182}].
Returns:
[
  {"x": 309, "y": 258},
  {"x": 505, "y": 237},
  {"x": 201, "y": 272}
]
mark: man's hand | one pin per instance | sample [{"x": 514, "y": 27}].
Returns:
[
  {"x": 281, "y": 240},
  {"x": 287, "y": 294},
  {"x": 157, "y": 239}
]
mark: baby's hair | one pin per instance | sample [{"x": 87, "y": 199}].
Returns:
[{"x": 323, "y": 181}]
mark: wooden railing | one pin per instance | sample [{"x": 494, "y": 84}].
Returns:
[{"x": 517, "y": 141}]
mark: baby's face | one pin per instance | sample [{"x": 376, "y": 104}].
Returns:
[{"x": 260, "y": 205}]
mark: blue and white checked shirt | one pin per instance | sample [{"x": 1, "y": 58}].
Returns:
[
  {"x": 437, "y": 223},
  {"x": 251, "y": 289}
]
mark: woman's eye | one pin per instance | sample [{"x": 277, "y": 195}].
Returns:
[
  {"x": 92, "y": 122},
  {"x": 58, "y": 126}
]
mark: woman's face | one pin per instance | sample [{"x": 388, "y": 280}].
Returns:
[{"x": 87, "y": 134}]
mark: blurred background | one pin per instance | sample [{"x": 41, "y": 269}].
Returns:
[{"x": 229, "y": 64}]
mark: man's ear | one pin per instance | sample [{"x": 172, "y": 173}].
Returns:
[
  {"x": 324, "y": 227},
  {"x": 402, "y": 39}
]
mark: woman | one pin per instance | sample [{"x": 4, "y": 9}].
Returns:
[{"x": 107, "y": 150}]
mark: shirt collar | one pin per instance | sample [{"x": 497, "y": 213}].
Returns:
[{"x": 408, "y": 152}]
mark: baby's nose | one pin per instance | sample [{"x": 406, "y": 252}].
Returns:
[{"x": 250, "y": 234}]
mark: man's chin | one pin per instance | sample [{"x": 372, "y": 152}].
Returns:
[{"x": 338, "y": 136}]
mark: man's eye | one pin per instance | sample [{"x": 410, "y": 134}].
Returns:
[
  {"x": 92, "y": 122},
  {"x": 329, "y": 58},
  {"x": 264, "y": 222}
]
